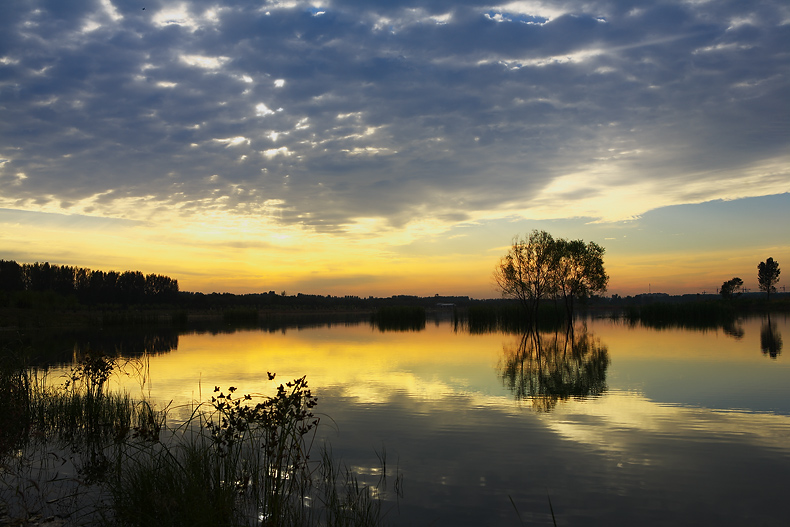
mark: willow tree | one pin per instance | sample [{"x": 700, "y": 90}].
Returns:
[{"x": 540, "y": 267}]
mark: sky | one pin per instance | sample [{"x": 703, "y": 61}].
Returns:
[{"x": 383, "y": 148}]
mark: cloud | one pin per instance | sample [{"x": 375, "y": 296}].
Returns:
[{"x": 401, "y": 112}]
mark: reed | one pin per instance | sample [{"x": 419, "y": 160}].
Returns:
[
  {"x": 15, "y": 396},
  {"x": 237, "y": 460}
]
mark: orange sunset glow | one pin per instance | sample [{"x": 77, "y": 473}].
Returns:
[{"x": 247, "y": 148}]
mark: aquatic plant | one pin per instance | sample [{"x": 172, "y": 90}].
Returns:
[
  {"x": 15, "y": 398},
  {"x": 237, "y": 460}
]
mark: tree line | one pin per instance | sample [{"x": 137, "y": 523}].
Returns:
[
  {"x": 767, "y": 277},
  {"x": 89, "y": 286}
]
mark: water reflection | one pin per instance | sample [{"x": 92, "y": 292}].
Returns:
[
  {"x": 770, "y": 339},
  {"x": 129, "y": 345},
  {"x": 547, "y": 367},
  {"x": 691, "y": 426},
  {"x": 734, "y": 329}
]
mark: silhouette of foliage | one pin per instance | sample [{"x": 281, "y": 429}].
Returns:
[
  {"x": 399, "y": 318},
  {"x": 578, "y": 270},
  {"x": 767, "y": 276},
  {"x": 11, "y": 276},
  {"x": 539, "y": 267},
  {"x": 548, "y": 367},
  {"x": 770, "y": 339},
  {"x": 88, "y": 286},
  {"x": 692, "y": 315},
  {"x": 731, "y": 288}
]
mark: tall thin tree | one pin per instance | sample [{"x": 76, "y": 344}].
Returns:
[{"x": 768, "y": 276}]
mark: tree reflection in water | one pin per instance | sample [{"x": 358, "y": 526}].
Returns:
[
  {"x": 548, "y": 367},
  {"x": 770, "y": 339}
]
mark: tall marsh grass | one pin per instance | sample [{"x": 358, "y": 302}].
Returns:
[{"x": 96, "y": 456}]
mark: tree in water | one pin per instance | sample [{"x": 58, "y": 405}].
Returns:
[
  {"x": 579, "y": 271},
  {"x": 541, "y": 267},
  {"x": 526, "y": 271},
  {"x": 768, "y": 276},
  {"x": 731, "y": 287}
]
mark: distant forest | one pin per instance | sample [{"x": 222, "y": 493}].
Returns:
[
  {"x": 89, "y": 286},
  {"x": 128, "y": 288},
  {"x": 28, "y": 285}
]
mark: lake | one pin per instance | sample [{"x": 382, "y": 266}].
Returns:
[{"x": 611, "y": 425}]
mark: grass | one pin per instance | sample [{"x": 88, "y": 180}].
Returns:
[{"x": 95, "y": 456}]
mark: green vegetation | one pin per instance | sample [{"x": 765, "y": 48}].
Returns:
[{"x": 96, "y": 456}]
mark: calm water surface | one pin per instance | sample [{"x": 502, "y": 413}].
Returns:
[{"x": 618, "y": 425}]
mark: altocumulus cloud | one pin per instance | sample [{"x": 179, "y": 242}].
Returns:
[{"x": 324, "y": 114}]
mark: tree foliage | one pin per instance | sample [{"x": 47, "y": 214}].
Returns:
[
  {"x": 91, "y": 287},
  {"x": 579, "y": 270},
  {"x": 526, "y": 272},
  {"x": 731, "y": 287},
  {"x": 539, "y": 267},
  {"x": 768, "y": 276}
]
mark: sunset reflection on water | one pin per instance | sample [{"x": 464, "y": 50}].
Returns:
[{"x": 669, "y": 412}]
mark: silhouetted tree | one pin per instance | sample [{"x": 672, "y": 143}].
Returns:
[
  {"x": 82, "y": 283},
  {"x": 768, "y": 276},
  {"x": 541, "y": 267},
  {"x": 525, "y": 272},
  {"x": 131, "y": 287},
  {"x": 11, "y": 276},
  {"x": 63, "y": 279},
  {"x": 160, "y": 288},
  {"x": 578, "y": 271},
  {"x": 731, "y": 287},
  {"x": 38, "y": 277}
]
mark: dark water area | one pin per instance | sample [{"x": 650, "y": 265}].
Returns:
[{"x": 610, "y": 424}]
